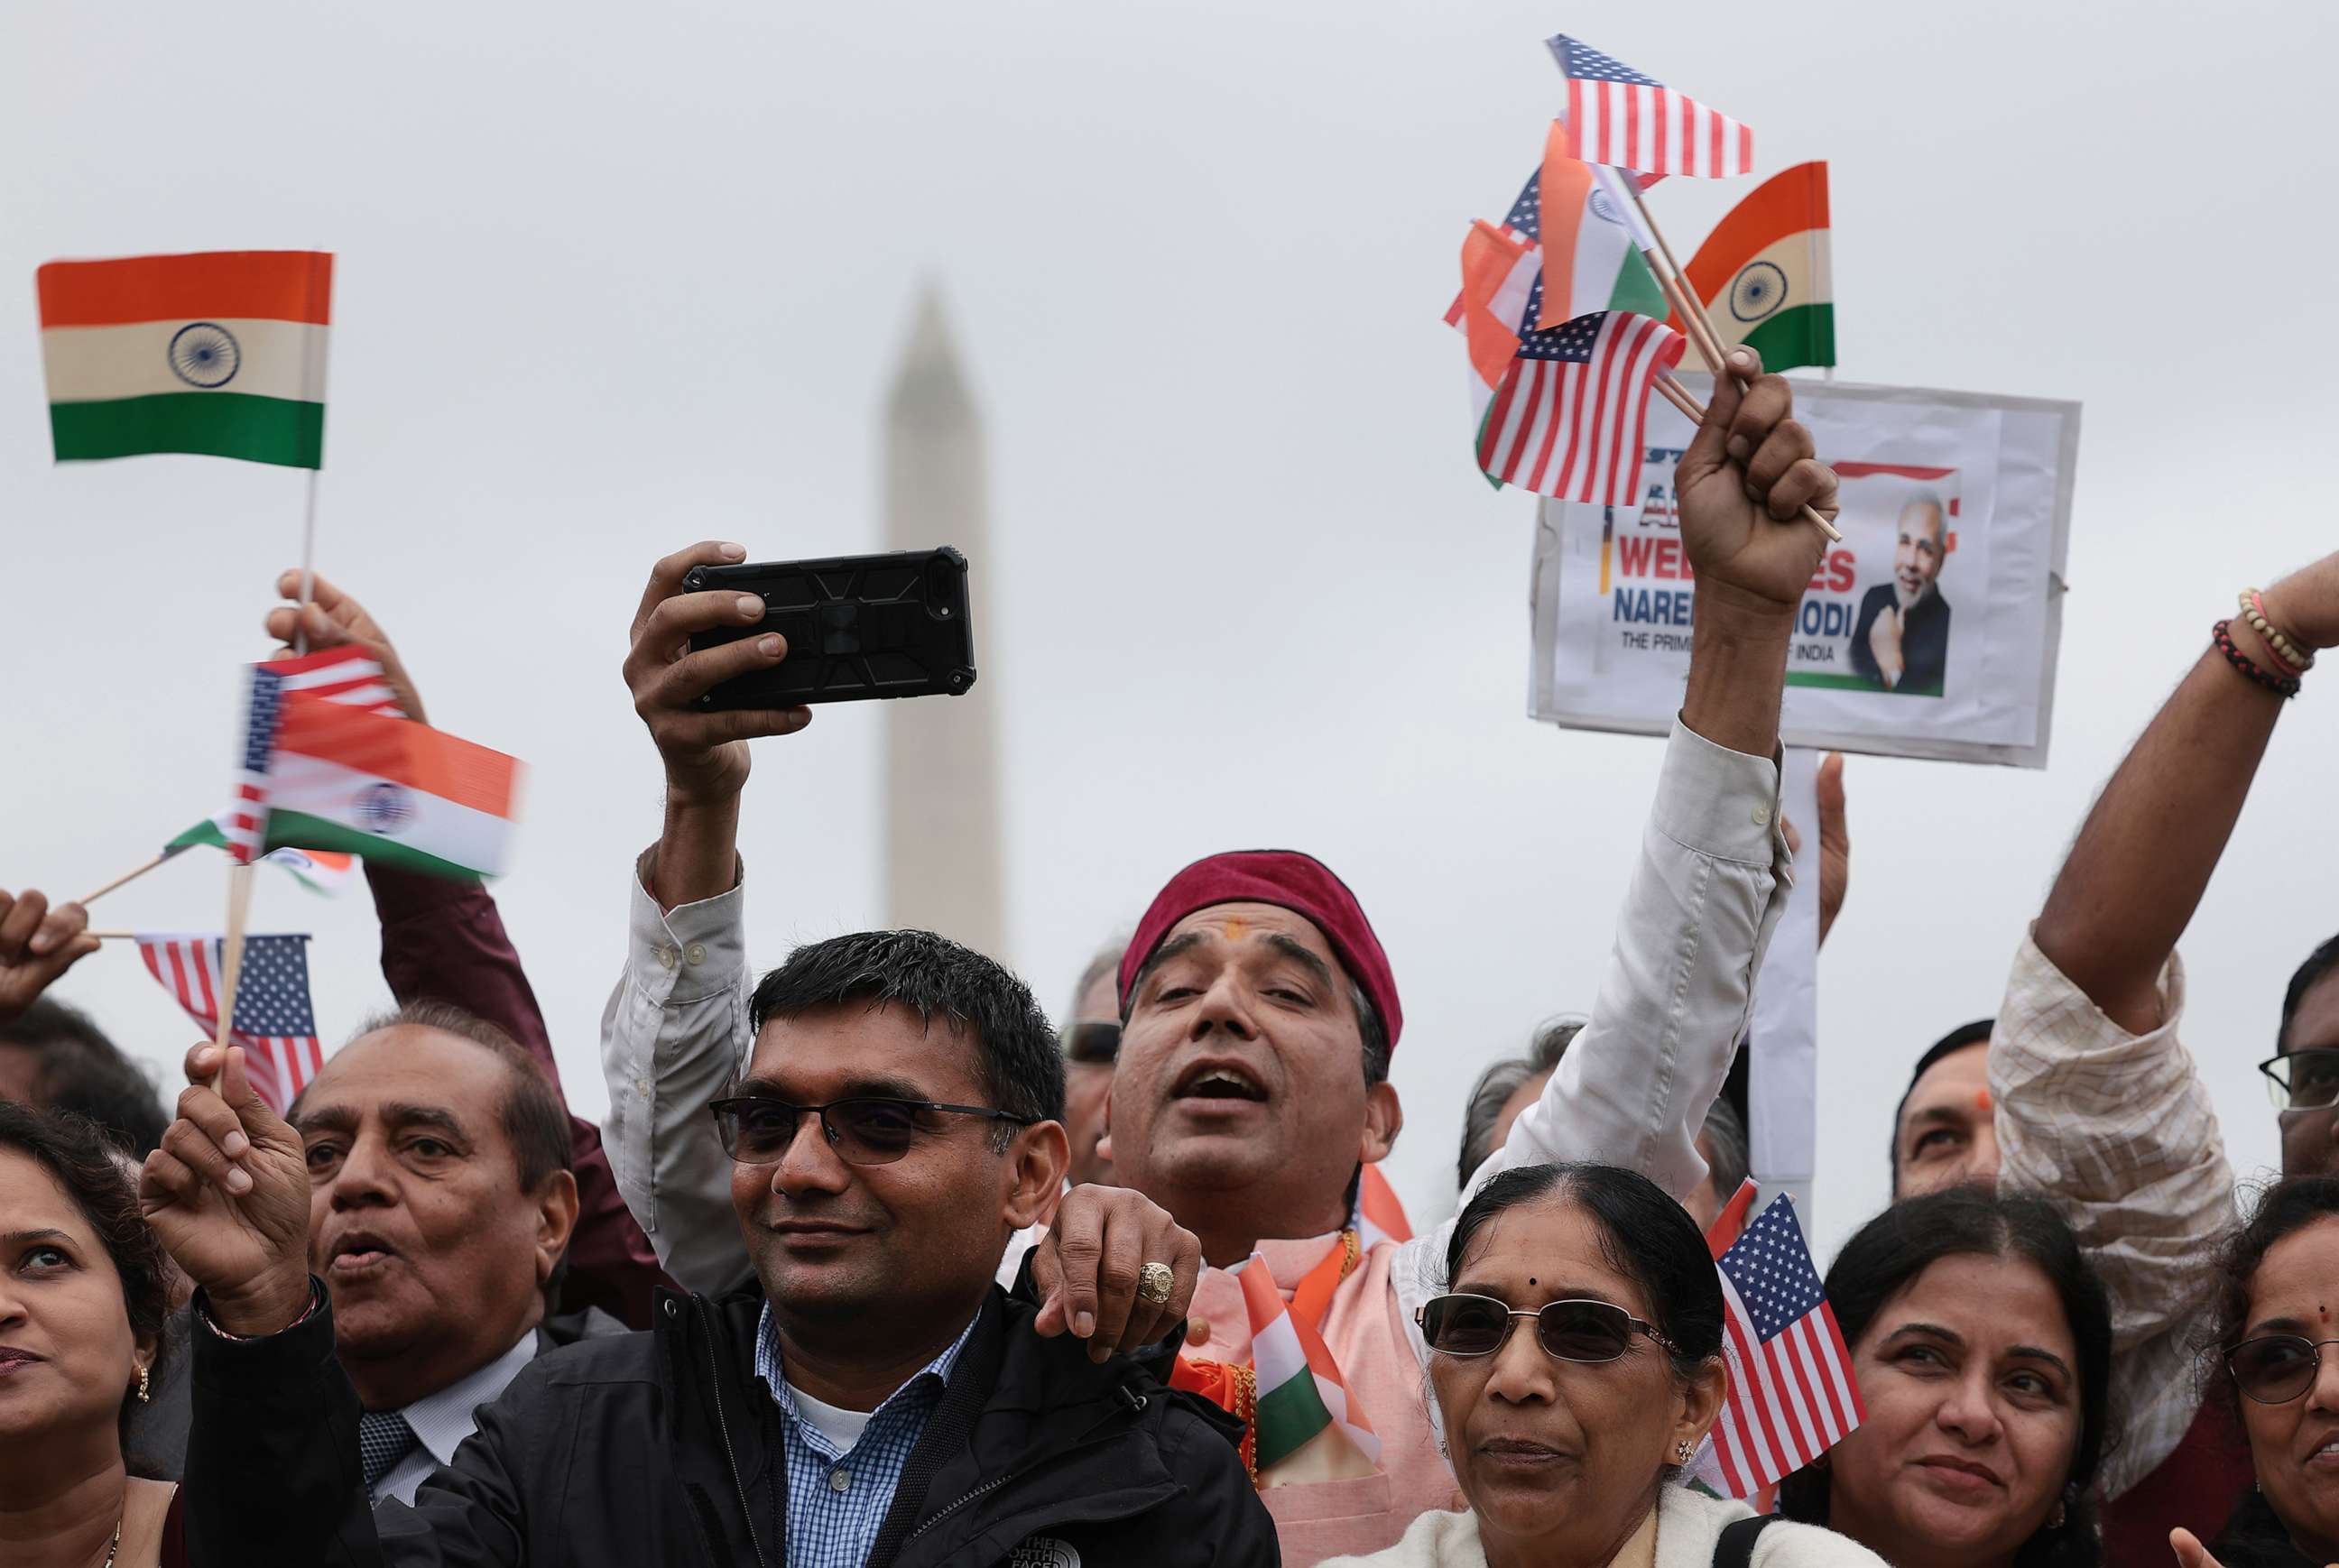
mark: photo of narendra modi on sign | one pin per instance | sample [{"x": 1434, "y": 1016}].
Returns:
[{"x": 1901, "y": 522}]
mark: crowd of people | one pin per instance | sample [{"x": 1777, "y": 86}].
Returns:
[{"x": 869, "y": 1263}]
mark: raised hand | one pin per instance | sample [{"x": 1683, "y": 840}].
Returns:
[
  {"x": 37, "y": 944},
  {"x": 1087, "y": 1267},
  {"x": 705, "y": 754},
  {"x": 227, "y": 1194},
  {"x": 1742, "y": 485},
  {"x": 332, "y": 618}
]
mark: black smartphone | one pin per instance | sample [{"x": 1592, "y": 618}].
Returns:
[{"x": 858, "y": 626}]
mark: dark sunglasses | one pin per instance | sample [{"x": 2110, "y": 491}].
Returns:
[
  {"x": 1589, "y": 1331},
  {"x": 1097, "y": 1041},
  {"x": 2277, "y": 1368},
  {"x": 868, "y": 1129},
  {"x": 2302, "y": 1080}
]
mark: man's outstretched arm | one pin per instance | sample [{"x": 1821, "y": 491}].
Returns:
[
  {"x": 675, "y": 1028},
  {"x": 1633, "y": 1087}
]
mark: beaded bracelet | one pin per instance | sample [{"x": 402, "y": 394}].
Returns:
[
  {"x": 2293, "y": 659},
  {"x": 2281, "y": 685}
]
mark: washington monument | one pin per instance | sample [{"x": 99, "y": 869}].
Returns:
[{"x": 943, "y": 853}]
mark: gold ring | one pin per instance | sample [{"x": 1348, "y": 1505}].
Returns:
[{"x": 1154, "y": 1283}]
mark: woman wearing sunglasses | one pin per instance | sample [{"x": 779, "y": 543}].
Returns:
[
  {"x": 2278, "y": 1287},
  {"x": 1577, "y": 1364},
  {"x": 1982, "y": 1345}
]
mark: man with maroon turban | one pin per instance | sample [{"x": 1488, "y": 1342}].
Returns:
[{"x": 1260, "y": 1010}]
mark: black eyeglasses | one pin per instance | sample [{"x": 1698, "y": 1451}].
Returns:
[
  {"x": 2279, "y": 1367},
  {"x": 867, "y": 1130},
  {"x": 2302, "y": 1080},
  {"x": 1097, "y": 1041},
  {"x": 1588, "y": 1331}
]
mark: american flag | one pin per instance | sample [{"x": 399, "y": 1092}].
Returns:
[
  {"x": 1630, "y": 121},
  {"x": 1522, "y": 226},
  {"x": 273, "y": 1018},
  {"x": 346, "y": 675},
  {"x": 246, "y": 820},
  {"x": 1571, "y": 419},
  {"x": 1792, "y": 1393}
]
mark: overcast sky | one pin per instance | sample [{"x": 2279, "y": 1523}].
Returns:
[{"x": 612, "y": 278}]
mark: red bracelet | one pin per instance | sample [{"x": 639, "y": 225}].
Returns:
[{"x": 2281, "y": 685}]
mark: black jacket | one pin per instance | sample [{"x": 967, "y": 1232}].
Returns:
[
  {"x": 1924, "y": 641},
  {"x": 664, "y": 1448}
]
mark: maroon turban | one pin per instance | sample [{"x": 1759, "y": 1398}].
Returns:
[{"x": 1288, "y": 879}]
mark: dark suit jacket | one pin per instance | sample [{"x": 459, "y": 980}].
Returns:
[{"x": 1924, "y": 641}]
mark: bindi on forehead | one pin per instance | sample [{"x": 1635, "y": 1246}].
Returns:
[{"x": 1982, "y": 1101}]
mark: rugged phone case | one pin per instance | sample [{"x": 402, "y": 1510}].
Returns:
[{"x": 858, "y": 626}]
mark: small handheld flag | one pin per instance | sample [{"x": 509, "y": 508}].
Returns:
[
  {"x": 328, "y": 765},
  {"x": 220, "y": 353},
  {"x": 1301, "y": 1394},
  {"x": 1571, "y": 419},
  {"x": 273, "y": 1018},
  {"x": 1763, "y": 274},
  {"x": 1630, "y": 121},
  {"x": 1793, "y": 1395}
]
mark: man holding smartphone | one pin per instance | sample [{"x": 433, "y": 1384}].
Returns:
[{"x": 1293, "y": 1072}]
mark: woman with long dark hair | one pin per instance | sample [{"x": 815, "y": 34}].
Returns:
[
  {"x": 1982, "y": 1344},
  {"x": 84, "y": 1291}
]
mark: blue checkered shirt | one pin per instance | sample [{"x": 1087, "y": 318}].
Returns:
[{"x": 837, "y": 1502}]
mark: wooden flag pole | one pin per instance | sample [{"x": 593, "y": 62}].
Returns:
[
  {"x": 239, "y": 910},
  {"x": 128, "y": 876},
  {"x": 1692, "y": 308},
  {"x": 112, "y": 935},
  {"x": 307, "y": 568}
]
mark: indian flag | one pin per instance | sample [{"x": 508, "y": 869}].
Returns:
[
  {"x": 1302, "y": 1397},
  {"x": 1591, "y": 254},
  {"x": 1763, "y": 272},
  {"x": 325, "y": 775},
  {"x": 1380, "y": 1213},
  {"x": 221, "y": 353},
  {"x": 318, "y": 870}
]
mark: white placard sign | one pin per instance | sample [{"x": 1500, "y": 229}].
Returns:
[{"x": 1957, "y": 512}]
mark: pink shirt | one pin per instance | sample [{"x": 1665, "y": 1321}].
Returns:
[{"x": 1366, "y": 1333}]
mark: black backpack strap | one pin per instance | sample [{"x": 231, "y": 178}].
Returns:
[{"x": 1736, "y": 1547}]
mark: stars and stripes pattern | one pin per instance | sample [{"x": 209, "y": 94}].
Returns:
[
  {"x": 274, "y": 1020},
  {"x": 1571, "y": 418},
  {"x": 246, "y": 820},
  {"x": 1792, "y": 1393},
  {"x": 1630, "y": 121},
  {"x": 347, "y": 674}
]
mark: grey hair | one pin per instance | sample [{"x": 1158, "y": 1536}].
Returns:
[
  {"x": 1728, "y": 1154},
  {"x": 1928, "y": 497},
  {"x": 1499, "y": 1082},
  {"x": 1106, "y": 962}
]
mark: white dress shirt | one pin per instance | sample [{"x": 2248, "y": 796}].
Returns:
[
  {"x": 1632, "y": 1090},
  {"x": 442, "y": 1420}
]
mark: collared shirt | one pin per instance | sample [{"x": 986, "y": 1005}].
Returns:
[
  {"x": 2120, "y": 1130},
  {"x": 1632, "y": 1090},
  {"x": 837, "y": 1502},
  {"x": 442, "y": 1420}
]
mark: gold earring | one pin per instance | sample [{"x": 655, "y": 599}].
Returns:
[
  {"x": 143, "y": 1374},
  {"x": 2057, "y": 1522}
]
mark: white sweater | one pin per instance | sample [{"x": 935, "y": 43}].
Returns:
[{"x": 1689, "y": 1524}]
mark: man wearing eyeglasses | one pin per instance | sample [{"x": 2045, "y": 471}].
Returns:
[
  {"x": 2092, "y": 1097},
  {"x": 1260, "y": 1015},
  {"x": 874, "y": 1399}
]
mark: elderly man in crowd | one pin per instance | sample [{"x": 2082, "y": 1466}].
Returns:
[
  {"x": 1260, "y": 1011},
  {"x": 875, "y": 1399}
]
